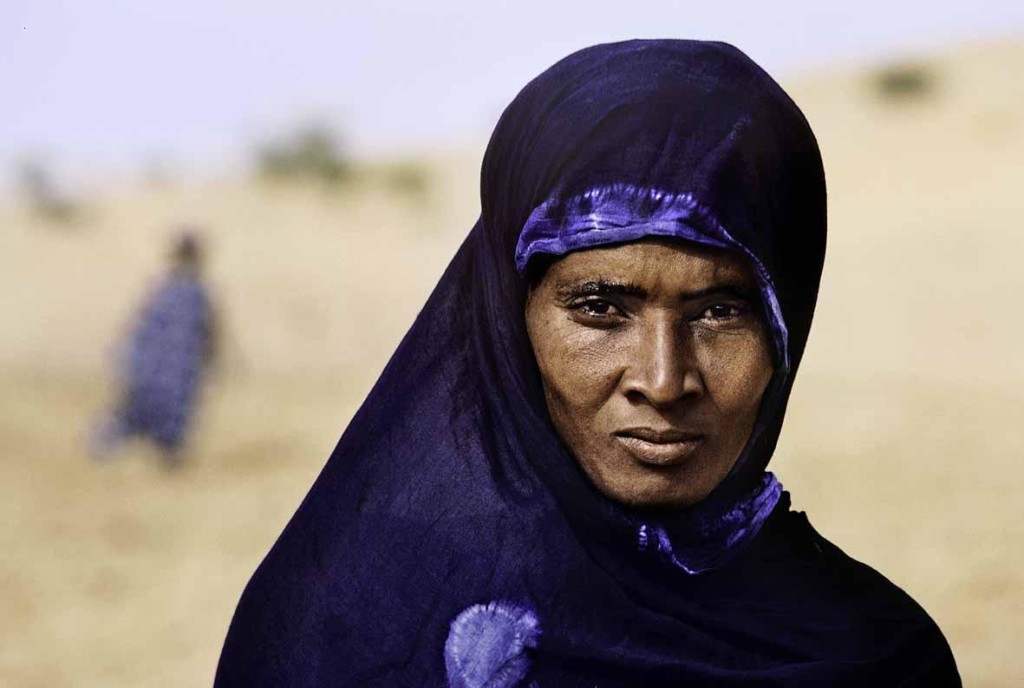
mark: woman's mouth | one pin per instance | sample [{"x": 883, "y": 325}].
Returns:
[{"x": 659, "y": 447}]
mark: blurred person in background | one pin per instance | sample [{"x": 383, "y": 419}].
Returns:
[
  {"x": 165, "y": 359},
  {"x": 560, "y": 477}
]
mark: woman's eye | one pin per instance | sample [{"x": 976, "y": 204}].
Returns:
[
  {"x": 721, "y": 311},
  {"x": 597, "y": 308}
]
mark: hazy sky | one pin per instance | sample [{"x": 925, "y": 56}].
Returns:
[{"x": 103, "y": 86}]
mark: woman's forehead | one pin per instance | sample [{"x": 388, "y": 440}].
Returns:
[{"x": 652, "y": 263}]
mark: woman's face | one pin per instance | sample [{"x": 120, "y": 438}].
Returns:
[{"x": 654, "y": 357}]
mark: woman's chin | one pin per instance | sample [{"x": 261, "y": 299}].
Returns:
[{"x": 659, "y": 490}]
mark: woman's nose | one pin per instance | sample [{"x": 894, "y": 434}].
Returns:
[{"x": 663, "y": 368}]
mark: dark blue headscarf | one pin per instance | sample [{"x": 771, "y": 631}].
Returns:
[{"x": 452, "y": 540}]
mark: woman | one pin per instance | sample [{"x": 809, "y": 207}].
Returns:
[
  {"x": 559, "y": 479},
  {"x": 166, "y": 358}
]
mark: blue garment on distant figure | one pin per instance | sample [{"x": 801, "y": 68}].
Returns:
[{"x": 164, "y": 363}]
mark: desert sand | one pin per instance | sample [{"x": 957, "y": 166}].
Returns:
[{"x": 904, "y": 441}]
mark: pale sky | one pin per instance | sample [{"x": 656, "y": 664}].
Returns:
[{"x": 100, "y": 87}]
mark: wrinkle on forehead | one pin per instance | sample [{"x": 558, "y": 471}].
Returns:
[{"x": 653, "y": 266}]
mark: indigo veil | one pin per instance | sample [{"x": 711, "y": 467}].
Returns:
[{"x": 451, "y": 540}]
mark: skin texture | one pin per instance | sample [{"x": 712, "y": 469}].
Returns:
[{"x": 654, "y": 357}]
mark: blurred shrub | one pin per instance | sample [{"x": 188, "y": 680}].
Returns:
[
  {"x": 407, "y": 177},
  {"x": 313, "y": 153},
  {"x": 904, "y": 82},
  {"x": 40, "y": 193}
]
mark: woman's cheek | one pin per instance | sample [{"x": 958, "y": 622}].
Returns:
[{"x": 737, "y": 375}]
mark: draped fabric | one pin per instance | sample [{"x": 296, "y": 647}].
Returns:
[
  {"x": 164, "y": 363},
  {"x": 452, "y": 540}
]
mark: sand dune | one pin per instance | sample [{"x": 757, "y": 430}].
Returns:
[{"x": 903, "y": 442}]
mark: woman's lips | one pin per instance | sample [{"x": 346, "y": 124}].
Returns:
[{"x": 659, "y": 447}]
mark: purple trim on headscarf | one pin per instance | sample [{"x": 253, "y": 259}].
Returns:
[
  {"x": 618, "y": 213},
  {"x": 721, "y": 535}
]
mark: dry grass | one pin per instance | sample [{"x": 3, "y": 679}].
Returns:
[{"x": 903, "y": 442}]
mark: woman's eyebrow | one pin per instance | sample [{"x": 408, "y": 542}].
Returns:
[
  {"x": 606, "y": 287},
  {"x": 599, "y": 287},
  {"x": 741, "y": 291}
]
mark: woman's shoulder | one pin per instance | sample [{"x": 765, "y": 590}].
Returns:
[
  {"x": 854, "y": 609},
  {"x": 834, "y": 573}
]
